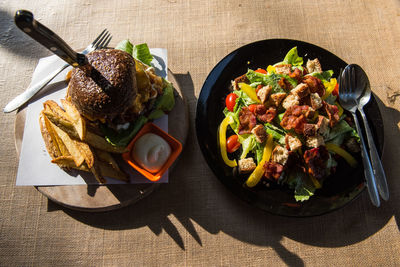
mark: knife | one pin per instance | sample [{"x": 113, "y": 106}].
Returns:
[{"x": 25, "y": 21}]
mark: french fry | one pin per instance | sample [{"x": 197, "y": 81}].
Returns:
[
  {"x": 73, "y": 149},
  {"x": 107, "y": 158},
  {"x": 77, "y": 120}
]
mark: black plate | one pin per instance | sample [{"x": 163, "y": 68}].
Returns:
[{"x": 339, "y": 190}]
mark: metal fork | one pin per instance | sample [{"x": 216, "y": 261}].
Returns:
[
  {"x": 101, "y": 41},
  {"x": 348, "y": 100}
]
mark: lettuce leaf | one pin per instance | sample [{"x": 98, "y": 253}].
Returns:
[
  {"x": 248, "y": 142},
  {"x": 164, "y": 103},
  {"x": 324, "y": 76},
  {"x": 242, "y": 100},
  {"x": 302, "y": 185},
  {"x": 292, "y": 57},
  {"x": 339, "y": 130},
  {"x": 266, "y": 79},
  {"x": 126, "y": 46},
  {"x": 277, "y": 133},
  {"x": 123, "y": 137},
  {"x": 142, "y": 53}
]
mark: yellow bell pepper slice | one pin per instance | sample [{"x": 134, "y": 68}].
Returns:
[
  {"x": 258, "y": 172},
  {"x": 222, "y": 141},
  {"x": 343, "y": 153},
  {"x": 271, "y": 69},
  {"x": 330, "y": 86},
  {"x": 340, "y": 112},
  {"x": 250, "y": 91}
]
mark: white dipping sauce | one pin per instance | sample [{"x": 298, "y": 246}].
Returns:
[{"x": 151, "y": 152}]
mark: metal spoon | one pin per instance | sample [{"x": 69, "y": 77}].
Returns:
[
  {"x": 363, "y": 90},
  {"x": 348, "y": 100}
]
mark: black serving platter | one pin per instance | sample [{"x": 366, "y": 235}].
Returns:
[{"x": 337, "y": 191}]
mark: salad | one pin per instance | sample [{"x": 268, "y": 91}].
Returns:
[{"x": 284, "y": 127}]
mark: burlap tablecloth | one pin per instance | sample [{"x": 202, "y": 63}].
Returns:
[{"x": 194, "y": 220}]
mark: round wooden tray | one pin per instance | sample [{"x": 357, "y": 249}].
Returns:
[{"x": 96, "y": 198}]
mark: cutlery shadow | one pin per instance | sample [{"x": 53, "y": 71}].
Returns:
[
  {"x": 14, "y": 40},
  {"x": 189, "y": 202}
]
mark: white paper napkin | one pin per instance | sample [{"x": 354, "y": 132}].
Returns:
[{"x": 35, "y": 167}]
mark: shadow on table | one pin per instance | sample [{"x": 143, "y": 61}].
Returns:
[
  {"x": 14, "y": 40},
  {"x": 203, "y": 201}
]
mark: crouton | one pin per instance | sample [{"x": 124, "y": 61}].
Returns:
[
  {"x": 316, "y": 101},
  {"x": 292, "y": 142},
  {"x": 309, "y": 129},
  {"x": 301, "y": 90},
  {"x": 246, "y": 165},
  {"x": 310, "y": 113},
  {"x": 280, "y": 155},
  {"x": 314, "y": 66},
  {"x": 315, "y": 141},
  {"x": 240, "y": 79},
  {"x": 283, "y": 69},
  {"x": 260, "y": 133},
  {"x": 323, "y": 125},
  {"x": 264, "y": 93},
  {"x": 290, "y": 101},
  {"x": 276, "y": 99}
]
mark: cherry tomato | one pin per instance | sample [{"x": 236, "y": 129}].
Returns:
[
  {"x": 335, "y": 91},
  {"x": 252, "y": 107},
  {"x": 261, "y": 71},
  {"x": 232, "y": 143},
  {"x": 230, "y": 101}
]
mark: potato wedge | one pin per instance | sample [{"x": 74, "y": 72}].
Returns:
[
  {"x": 68, "y": 163},
  {"x": 70, "y": 144},
  {"x": 107, "y": 158},
  {"x": 61, "y": 122},
  {"x": 63, "y": 151},
  {"x": 108, "y": 171},
  {"x": 101, "y": 143},
  {"x": 97, "y": 174},
  {"x": 103, "y": 169},
  {"x": 56, "y": 109},
  {"x": 86, "y": 152},
  {"x": 48, "y": 137},
  {"x": 77, "y": 120}
]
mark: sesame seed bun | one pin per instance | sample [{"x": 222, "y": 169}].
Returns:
[{"x": 106, "y": 87}]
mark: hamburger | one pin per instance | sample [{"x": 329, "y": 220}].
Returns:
[
  {"x": 108, "y": 101},
  {"x": 119, "y": 93}
]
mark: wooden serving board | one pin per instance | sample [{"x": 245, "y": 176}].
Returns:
[{"x": 96, "y": 198}]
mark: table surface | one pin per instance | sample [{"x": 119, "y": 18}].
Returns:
[{"x": 194, "y": 220}]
